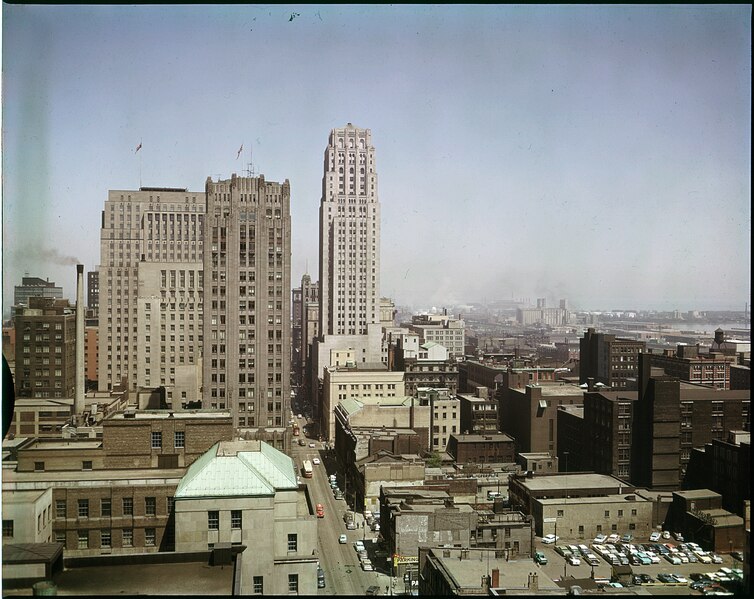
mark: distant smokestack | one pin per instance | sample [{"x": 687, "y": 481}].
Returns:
[{"x": 78, "y": 402}]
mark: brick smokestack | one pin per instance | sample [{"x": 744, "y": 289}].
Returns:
[{"x": 78, "y": 402}]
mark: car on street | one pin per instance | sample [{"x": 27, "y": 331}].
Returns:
[
  {"x": 367, "y": 566},
  {"x": 338, "y": 494},
  {"x": 372, "y": 590},
  {"x": 300, "y": 416},
  {"x": 540, "y": 558},
  {"x": 549, "y": 539},
  {"x": 359, "y": 546},
  {"x": 320, "y": 578},
  {"x": 316, "y": 461},
  {"x": 312, "y": 445},
  {"x": 376, "y": 527},
  {"x": 320, "y": 511},
  {"x": 342, "y": 539}
]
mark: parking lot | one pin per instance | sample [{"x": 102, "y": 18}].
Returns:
[{"x": 557, "y": 567}]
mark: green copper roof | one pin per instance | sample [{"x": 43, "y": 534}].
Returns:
[{"x": 238, "y": 468}]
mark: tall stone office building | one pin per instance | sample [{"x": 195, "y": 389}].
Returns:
[
  {"x": 150, "y": 291},
  {"x": 349, "y": 251},
  {"x": 247, "y": 290}
]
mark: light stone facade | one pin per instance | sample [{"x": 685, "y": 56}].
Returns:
[
  {"x": 349, "y": 259},
  {"x": 364, "y": 384},
  {"x": 147, "y": 230}
]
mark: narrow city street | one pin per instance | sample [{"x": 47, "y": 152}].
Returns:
[{"x": 340, "y": 562}]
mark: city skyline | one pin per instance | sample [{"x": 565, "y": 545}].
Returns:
[{"x": 523, "y": 151}]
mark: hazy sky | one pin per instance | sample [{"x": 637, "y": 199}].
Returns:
[{"x": 597, "y": 153}]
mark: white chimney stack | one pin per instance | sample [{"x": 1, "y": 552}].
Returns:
[{"x": 78, "y": 402}]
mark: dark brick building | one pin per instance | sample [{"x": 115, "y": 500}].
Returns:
[
  {"x": 496, "y": 448},
  {"x": 479, "y": 412},
  {"x": 674, "y": 418},
  {"x": 609, "y": 360},
  {"x": 45, "y": 349}
]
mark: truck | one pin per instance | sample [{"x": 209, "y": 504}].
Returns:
[{"x": 307, "y": 468}]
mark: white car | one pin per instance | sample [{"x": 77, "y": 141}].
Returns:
[
  {"x": 366, "y": 565},
  {"x": 574, "y": 561},
  {"x": 312, "y": 445},
  {"x": 716, "y": 558},
  {"x": 316, "y": 461},
  {"x": 342, "y": 539},
  {"x": 654, "y": 537},
  {"x": 359, "y": 546},
  {"x": 549, "y": 539}
]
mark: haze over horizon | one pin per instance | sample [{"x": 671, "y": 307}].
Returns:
[{"x": 596, "y": 153}]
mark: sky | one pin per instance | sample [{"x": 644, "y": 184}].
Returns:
[{"x": 596, "y": 153}]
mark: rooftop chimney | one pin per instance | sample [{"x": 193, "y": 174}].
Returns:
[{"x": 78, "y": 402}]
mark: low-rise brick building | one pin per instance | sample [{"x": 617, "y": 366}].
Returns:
[{"x": 493, "y": 448}]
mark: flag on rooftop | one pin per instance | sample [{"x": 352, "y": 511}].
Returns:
[
  {"x": 138, "y": 148},
  {"x": 239, "y": 151}
]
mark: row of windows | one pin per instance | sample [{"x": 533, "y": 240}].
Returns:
[
  {"x": 179, "y": 439},
  {"x": 105, "y": 535},
  {"x": 106, "y": 508}
]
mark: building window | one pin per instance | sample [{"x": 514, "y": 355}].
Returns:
[
  {"x": 60, "y": 537},
  {"x": 292, "y": 542},
  {"x": 293, "y": 583},
  {"x": 607, "y": 513},
  {"x": 7, "y": 528},
  {"x": 83, "y": 508},
  {"x": 180, "y": 439},
  {"x": 128, "y": 537},
  {"x": 614, "y": 527},
  {"x": 106, "y": 507},
  {"x": 150, "y": 506},
  {"x": 560, "y": 513},
  {"x": 213, "y": 520},
  {"x": 236, "y": 519},
  {"x": 86, "y": 465},
  {"x": 39, "y": 466},
  {"x": 258, "y": 585},
  {"x": 128, "y": 506},
  {"x": 60, "y": 508},
  {"x": 156, "y": 440},
  {"x": 150, "y": 535},
  {"x": 105, "y": 537},
  {"x": 83, "y": 539},
  {"x": 631, "y": 526},
  {"x": 620, "y": 513}
]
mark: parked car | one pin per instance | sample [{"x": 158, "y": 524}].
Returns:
[
  {"x": 359, "y": 546},
  {"x": 627, "y": 538},
  {"x": 540, "y": 557},
  {"x": 662, "y": 577},
  {"x": 716, "y": 559},
  {"x": 665, "y": 534},
  {"x": 372, "y": 590},
  {"x": 320, "y": 578},
  {"x": 574, "y": 561},
  {"x": 600, "y": 538},
  {"x": 549, "y": 539},
  {"x": 366, "y": 565},
  {"x": 312, "y": 445},
  {"x": 342, "y": 539},
  {"x": 678, "y": 536},
  {"x": 654, "y": 537},
  {"x": 320, "y": 511}
]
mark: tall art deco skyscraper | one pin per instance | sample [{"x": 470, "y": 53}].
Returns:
[
  {"x": 247, "y": 290},
  {"x": 349, "y": 253}
]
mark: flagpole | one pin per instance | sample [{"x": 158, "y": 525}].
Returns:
[{"x": 139, "y": 164}]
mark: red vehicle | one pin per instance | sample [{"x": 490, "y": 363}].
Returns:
[
  {"x": 295, "y": 430},
  {"x": 320, "y": 511}
]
